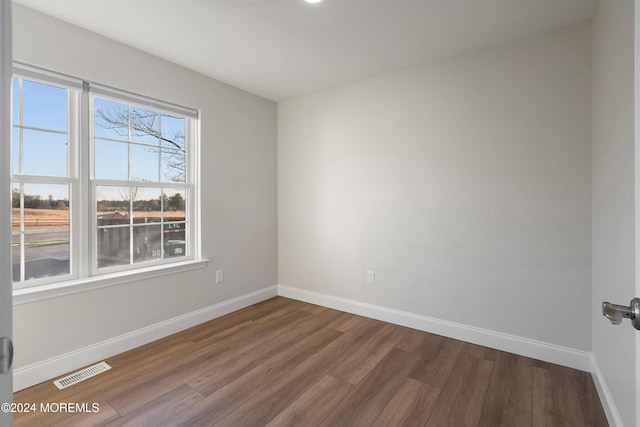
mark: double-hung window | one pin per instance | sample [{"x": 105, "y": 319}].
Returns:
[{"x": 103, "y": 181}]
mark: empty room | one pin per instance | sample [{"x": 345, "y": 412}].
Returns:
[{"x": 320, "y": 212}]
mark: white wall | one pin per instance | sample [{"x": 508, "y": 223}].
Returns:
[
  {"x": 238, "y": 199},
  {"x": 464, "y": 184},
  {"x": 614, "y": 213}
]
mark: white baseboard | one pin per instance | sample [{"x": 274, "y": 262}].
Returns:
[
  {"x": 609, "y": 406},
  {"x": 36, "y": 373},
  {"x": 552, "y": 353}
]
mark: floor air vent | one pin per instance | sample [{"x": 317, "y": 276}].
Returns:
[{"x": 82, "y": 375}]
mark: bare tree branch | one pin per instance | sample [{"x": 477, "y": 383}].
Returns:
[
  {"x": 142, "y": 123},
  {"x": 130, "y": 194}
]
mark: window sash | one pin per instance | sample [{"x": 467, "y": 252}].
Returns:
[
  {"x": 187, "y": 186},
  {"x": 70, "y": 179},
  {"x": 190, "y": 251}
]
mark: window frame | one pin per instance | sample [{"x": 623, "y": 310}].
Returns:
[{"x": 84, "y": 272}]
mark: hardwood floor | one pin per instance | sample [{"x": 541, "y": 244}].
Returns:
[{"x": 284, "y": 363}]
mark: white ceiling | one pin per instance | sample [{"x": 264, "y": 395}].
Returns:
[{"x": 281, "y": 49}]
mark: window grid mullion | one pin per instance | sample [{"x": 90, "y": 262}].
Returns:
[
  {"x": 129, "y": 176},
  {"x": 34, "y": 179},
  {"x": 131, "y": 235},
  {"x": 58, "y": 132},
  {"x": 159, "y": 142},
  {"x": 20, "y": 129},
  {"x": 142, "y": 184},
  {"x": 22, "y": 251},
  {"x": 73, "y": 134}
]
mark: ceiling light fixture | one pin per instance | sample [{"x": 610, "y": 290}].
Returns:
[{"x": 313, "y": 1}]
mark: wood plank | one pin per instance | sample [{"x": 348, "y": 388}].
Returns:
[
  {"x": 105, "y": 415},
  {"x": 160, "y": 409},
  {"x": 314, "y": 405},
  {"x": 509, "y": 399},
  {"x": 365, "y": 357},
  {"x": 286, "y": 389},
  {"x": 363, "y": 405},
  {"x": 592, "y": 410},
  {"x": 555, "y": 399},
  {"x": 63, "y": 419},
  {"x": 345, "y": 322},
  {"x": 461, "y": 399},
  {"x": 427, "y": 345},
  {"x": 414, "y": 340},
  {"x": 147, "y": 351},
  {"x": 282, "y": 310},
  {"x": 223, "y": 323},
  {"x": 438, "y": 357},
  {"x": 410, "y": 406},
  {"x": 314, "y": 309},
  {"x": 480, "y": 352}
]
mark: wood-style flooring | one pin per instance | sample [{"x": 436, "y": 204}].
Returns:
[{"x": 287, "y": 363}]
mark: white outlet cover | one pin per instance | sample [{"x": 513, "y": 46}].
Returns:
[
  {"x": 219, "y": 276},
  {"x": 371, "y": 277}
]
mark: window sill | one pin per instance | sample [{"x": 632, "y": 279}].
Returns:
[{"x": 39, "y": 293}]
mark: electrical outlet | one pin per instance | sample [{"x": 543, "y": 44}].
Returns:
[
  {"x": 219, "y": 276},
  {"x": 371, "y": 277}
]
